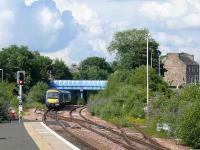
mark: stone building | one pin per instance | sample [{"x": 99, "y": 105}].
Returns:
[{"x": 180, "y": 69}]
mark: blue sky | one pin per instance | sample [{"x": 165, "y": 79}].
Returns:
[{"x": 73, "y": 30}]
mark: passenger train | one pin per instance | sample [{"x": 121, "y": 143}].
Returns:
[{"x": 57, "y": 98}]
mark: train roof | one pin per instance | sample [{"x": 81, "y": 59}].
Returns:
[{"x": 55, "y": 90}]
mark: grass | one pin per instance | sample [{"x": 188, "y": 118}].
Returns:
[
  {"x": 144, "y": 125},
  {"x": 151, "y": 131},
  {"x": 122, "y": 122}
]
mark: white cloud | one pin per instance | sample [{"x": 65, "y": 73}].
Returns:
[
  {"x": 187, "y": 21},
  {"x": 98, "y": 44},
  {"x": 168, "y": 39},
  {"x": 92, "y": 27},
  {"x": 29, "y": 2},
  {"x": 120, "y": 26},
  {"x": 50, "y": 20},
  {"x": 173, "y": 13},
  {"x": 63, "y": 5},
  {"x": 76, "y": 29},
  {"x": 6, "y": 22},
  {"x": 164, "y": 9},
  {"x": 39, "y": 25},
  {"x": 61, "y": 55}
]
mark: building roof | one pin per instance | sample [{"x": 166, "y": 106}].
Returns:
[
  {"x": 188, "y": 61},
  {"x": 186, "y": 58}
]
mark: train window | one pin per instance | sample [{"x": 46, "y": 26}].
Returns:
[{"x": 52, "y": 95}]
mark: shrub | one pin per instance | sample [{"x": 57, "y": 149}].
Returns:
[
  {"x": 80, "y": 101},
  {"x": 37, "y": 93},
  {"x": 125, "y": 94},
  {"x": 188, "y": 127},
  {"x": 3, "y": 110},
  {"x": 6, "y": 99}
]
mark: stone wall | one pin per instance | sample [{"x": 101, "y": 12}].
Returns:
[{"x": 176, "y": 70}]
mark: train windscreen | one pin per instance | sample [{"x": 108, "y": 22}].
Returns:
[{"x": 52, "y": 95}]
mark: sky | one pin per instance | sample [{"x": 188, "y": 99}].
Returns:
[{"x": 73, "y": 30}]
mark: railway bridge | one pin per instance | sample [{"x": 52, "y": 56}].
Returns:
[{"x": 80, "y": 85}]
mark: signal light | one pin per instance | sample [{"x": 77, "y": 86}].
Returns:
[
  {"x": 21, "y": 82},
  {"x": 20, "y": 77}
]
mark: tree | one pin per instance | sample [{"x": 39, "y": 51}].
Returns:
[
  {"x": 95, "y": 68},
  {"x": 41, "y": 68},
  {"x": 59, "y": 70},
  {"x": 13, "y": 59},
  {"x": 130, "y": 47}
]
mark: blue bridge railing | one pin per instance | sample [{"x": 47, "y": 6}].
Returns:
[{"x": 79, "y": 84}]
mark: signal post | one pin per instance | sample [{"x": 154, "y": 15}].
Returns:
[{"x": 20, "y": 82}]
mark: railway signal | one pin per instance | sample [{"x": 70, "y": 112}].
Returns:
[
  {"x": 20, "y": 82},
  {"x": 20, "y": 77}
]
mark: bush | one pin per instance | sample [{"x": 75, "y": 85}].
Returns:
[
  {"x": 3, "y": 110},
  {"x": 80, "y": 101},
  {"x": 189, "y": 125},
  {"x": 6, "y": 100},
  {"x": 125, "y": 94},
  {"x": 181, "y": 112},
  {"x": 37, "y": 93}
]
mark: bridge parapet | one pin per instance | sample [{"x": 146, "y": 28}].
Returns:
[{"x": 79, "y": 84}]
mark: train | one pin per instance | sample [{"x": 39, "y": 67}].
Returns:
[{"x": 57, "y": 98}]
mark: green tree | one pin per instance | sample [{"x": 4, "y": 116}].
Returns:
[
  {"x": 13, "y": 59},
  {"x": 130, "y": 48},
  {"x": 41, "y": 68},
  {"x": 37, "y": 93},
  {"x": 59, "y": 70},
  {"x": 95, "y": 68}
]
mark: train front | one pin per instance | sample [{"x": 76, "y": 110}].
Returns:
[{"x": 52, "y": 99}]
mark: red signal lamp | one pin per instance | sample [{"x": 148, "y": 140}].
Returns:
[{"x": 21, "y": 82}]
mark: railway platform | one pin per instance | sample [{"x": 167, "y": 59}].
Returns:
[
  {"x": 13, "y": 136},
  {"x": 47, "y": 139},
  {"x": 31, "y": 136}
]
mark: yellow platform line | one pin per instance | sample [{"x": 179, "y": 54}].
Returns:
[{"x": 41, "y": 143}]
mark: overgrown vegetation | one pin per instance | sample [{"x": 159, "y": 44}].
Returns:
[
  {"x": 6, "y": 100},
  {"x": 37, "y": 93},
  {"x": 125, "y": 96},
  {"x": 123, "y": 101}
]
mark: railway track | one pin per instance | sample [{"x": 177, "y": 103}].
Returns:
[
  {"x": 78, "y": 141},
  {"x": 119, "y": 137},
  {"x": 150, "y": 144},
  {"x": 87, "y": 125}
]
